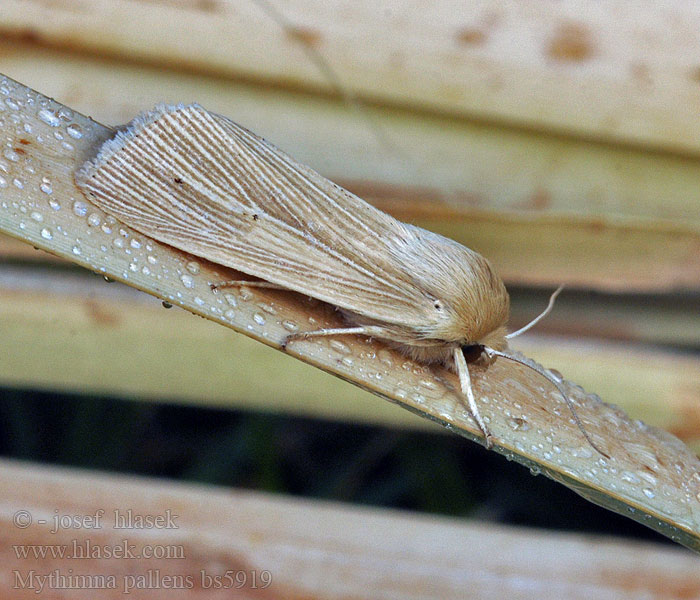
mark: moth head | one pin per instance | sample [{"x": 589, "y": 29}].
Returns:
[
  {"x": 471, "y": 303},
  {"x": 495, "y": 342},
  {"x": 497, "y": 338},
  {"x": 495, "y": 345}
]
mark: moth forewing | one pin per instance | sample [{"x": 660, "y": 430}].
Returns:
[{"x": 205, "y": 185}]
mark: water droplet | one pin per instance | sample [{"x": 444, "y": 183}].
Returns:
[
  {"x": 429, "y": 384},
  {"x": 259, "y": 318},
  {"x": 12, "y": 103},
  {"x": 595, "y": 398},
  {"x": 94, "y": 220},
  {"x": 648, "y": 492},
  {"x": 347, "y": 361},
  {"x": 339, "y": 346},
  {"x": 187, "y": 281},
  {"x": 145, "y": 270},
  {"x": 268, "y": 308},
  {"x": 106, "y": 228},
  {"x": 193, "y": 267},
  {"x": 519, "y": 424},
  {"x": 118, "y": 243},
  {"x": 556, "y": 375},
  {"x": 76, "y": 250},
  {"x": 10, "y": 154},
  {"x": 46, "y": 233},
  {"x": 418, "y": 398},
  {"x": 629, "y": 477},
  {"x": 152, "y": 259},
  {"x": 80, "y": 208},
  {"x": 18, "y": 183},
  {"x": 582, "y": 452},
  {"x": 37, "y": 216},
  {"x": 290, "y": 325},
  {"x": 135, "y": 244},
  {"x": 230, "y": 314},
  {"x": 74, "y": 131},
  {"x": 231, "y": 300},
  {"x": 49, "y": 118},
  {"x": 3, "y": 182},
  {"x": 46, "y": 188},
  {"x": 385, "y": 358},
  {"x": 648, "y": 477},
  {"x": 65, "y": 113},
  {"x": 55, "y": 204},
  {"x": 198, "y": 301}
]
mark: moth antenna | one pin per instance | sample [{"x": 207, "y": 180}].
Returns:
[
  {"x": 541, "y": 316},
  {"x": 490, "y": 352}
]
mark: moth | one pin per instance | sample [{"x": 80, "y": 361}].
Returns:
[{"x": 205, "y": 185}]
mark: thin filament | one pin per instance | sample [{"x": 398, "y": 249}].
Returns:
[
  {"x": 324, "y": 67},
  {"x": 542, "y": 315},
  {"x": 490, "y": 352}
]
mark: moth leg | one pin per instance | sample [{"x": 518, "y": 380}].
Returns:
[
  {"x": 215, "y": 287},
  {"x": 465, "y": 384},
  {"x": 372, "y": 331}
]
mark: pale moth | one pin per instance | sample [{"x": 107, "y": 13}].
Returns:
[{"x": 207, "y": 186}]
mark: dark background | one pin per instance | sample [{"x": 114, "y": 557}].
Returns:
[{"x": 427, "y": 472}]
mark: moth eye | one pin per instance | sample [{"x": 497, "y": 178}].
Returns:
[{"x": 472, "y": 352}]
